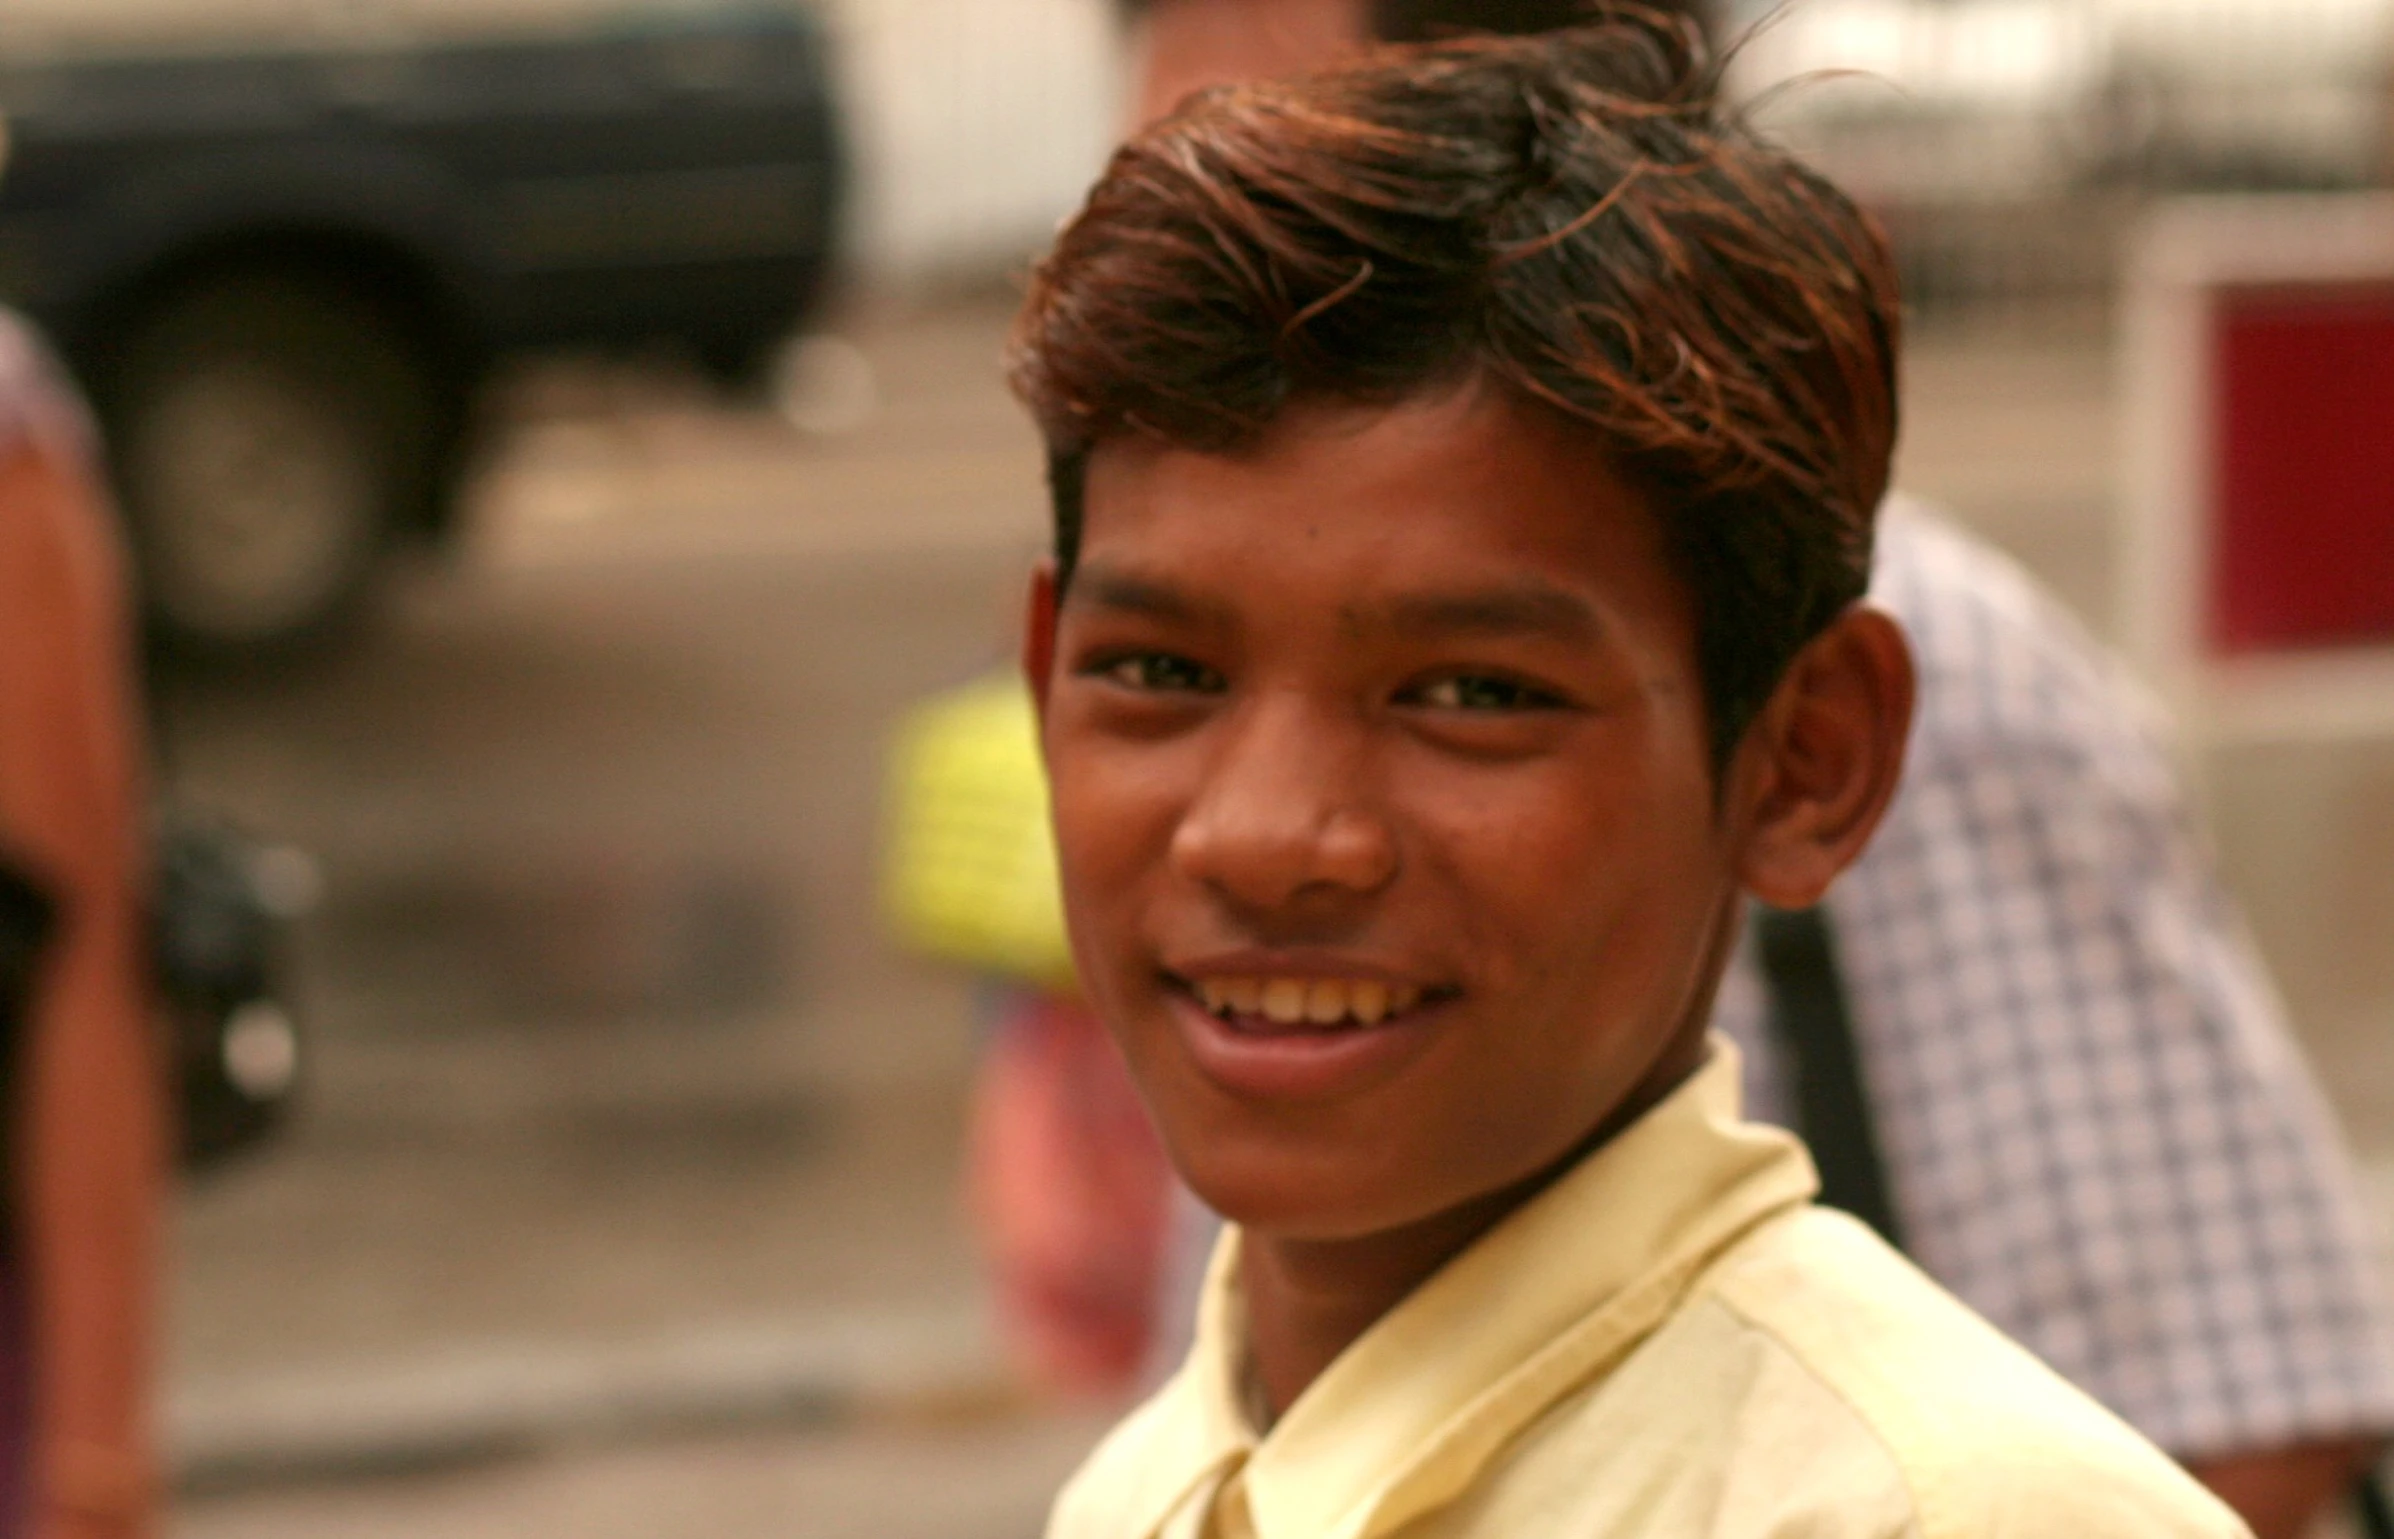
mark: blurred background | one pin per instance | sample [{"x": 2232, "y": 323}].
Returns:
[{"x": 568, "y": 633}]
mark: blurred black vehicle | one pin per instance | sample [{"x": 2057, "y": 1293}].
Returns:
[{"x": 281, "y": 273}]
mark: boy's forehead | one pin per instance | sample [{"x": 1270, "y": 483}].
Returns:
[
  {"x": 1353, "y": 431},
  {"x": 1458, "y": 513},
  {"x": 1500, "y": 477}
]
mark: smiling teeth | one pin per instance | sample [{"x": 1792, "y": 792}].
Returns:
[{"x": 1311, "y": 1001}]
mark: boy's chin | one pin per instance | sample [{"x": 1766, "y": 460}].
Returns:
[{"x": 1283, "y": 1194}]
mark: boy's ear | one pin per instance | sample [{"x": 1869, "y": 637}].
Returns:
[
  {"x": 1820, "y": 762},
  {"x": 1039, "y": 632}
]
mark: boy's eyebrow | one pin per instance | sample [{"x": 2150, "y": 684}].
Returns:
[
  {"x": 1512, "y": 610},
  {"x": 1127, "y": 592},
  {"x": 1519, "y": 609}
]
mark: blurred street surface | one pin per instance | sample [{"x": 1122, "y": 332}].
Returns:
[
  {"x": 616, "y": 1091},
  {"x": 625, "y": 1122},
  {"x": 970, "y": 1483}
]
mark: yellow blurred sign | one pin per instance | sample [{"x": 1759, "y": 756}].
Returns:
[{"x": 969, "y": 862}]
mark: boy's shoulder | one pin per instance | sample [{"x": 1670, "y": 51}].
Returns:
[
  {"x": 1812, "y": 1381},
  {"x": 1809, "y": 1380},
  {"x": 1985, "y": 1438}
]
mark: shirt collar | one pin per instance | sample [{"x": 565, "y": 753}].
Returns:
[{"x": 1407, "y": 1416}]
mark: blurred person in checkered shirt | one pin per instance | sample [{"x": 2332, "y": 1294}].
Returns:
[{"x": 2092, "y": 1119}]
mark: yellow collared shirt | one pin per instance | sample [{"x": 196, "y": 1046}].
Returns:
[{"x": 1670, "y": 1341}]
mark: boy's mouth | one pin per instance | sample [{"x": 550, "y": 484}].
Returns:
[
  {"x": 1275, "y": 1005},
  {"x": 1304, "y": 1033}
]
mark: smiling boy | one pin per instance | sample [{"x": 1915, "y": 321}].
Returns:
[{"x": 1463, "y": 469}]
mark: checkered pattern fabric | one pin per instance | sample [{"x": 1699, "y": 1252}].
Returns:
[{"x": 2095, "y": 1123}]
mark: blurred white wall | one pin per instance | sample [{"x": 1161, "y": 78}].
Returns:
[
  {"x": 1989, "y": 100},
  {"x": 978, "y": 125}
]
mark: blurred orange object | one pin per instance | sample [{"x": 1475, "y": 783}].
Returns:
[
  {"x": 1073, "y": 1196},
  {"x": 86, "y": 1164}
]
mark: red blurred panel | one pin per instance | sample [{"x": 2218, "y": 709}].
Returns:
[{"x": 2303, "y": 552}]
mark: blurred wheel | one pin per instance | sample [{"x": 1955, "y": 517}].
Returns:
[{"x": 268, "y": 435}]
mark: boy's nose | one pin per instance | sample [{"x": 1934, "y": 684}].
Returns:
[{"x": 1285, "y": 814}]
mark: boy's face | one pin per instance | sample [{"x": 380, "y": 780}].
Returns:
[{"x": 1385, "y": 812}]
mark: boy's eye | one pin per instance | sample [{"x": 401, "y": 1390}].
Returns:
[
  {"x": 1162, "y": 673},
  {"x": 1483, "y": 692}
]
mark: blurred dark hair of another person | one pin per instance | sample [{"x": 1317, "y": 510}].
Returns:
[
  {"x": 1183, "y": 46},
  {"x": 1425, "y": 21}
]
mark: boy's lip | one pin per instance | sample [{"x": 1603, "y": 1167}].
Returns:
[
  {"x": 1250, "y": 1052},
  {"x": 1289, "y": 962}
]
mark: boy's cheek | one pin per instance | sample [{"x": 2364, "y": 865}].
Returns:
[
  {"x": 1112, "y": 835},
  {"x": 1116, "y": 800},
  {"x": 1104, "y": 820}
]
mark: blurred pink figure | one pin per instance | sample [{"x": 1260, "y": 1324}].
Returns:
[{"x": 1072, "y": 1193}]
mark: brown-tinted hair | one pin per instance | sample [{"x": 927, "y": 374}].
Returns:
[{"x": 1571, "y": 217}]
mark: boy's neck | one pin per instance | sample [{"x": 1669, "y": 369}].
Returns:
[{"x": 1309, "y": 1300}]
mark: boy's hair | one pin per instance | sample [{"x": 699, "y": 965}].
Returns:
[{"x": 1571, "y": 217}]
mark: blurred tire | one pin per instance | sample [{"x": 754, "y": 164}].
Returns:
[{"x": 269, "y": 435}]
